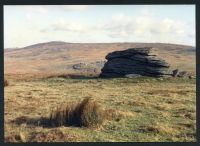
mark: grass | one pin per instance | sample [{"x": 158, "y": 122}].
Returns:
[
  {"x": 85, "y": 113},
  {"x": 139, "y": 110}
]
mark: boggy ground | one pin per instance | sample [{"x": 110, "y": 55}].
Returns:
[{"x": 151, "y": 109}]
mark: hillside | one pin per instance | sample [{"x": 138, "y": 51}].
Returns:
[{"x": 59, "y": 57}]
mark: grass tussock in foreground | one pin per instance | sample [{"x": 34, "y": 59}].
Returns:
[{"x": 86, "y": 113}]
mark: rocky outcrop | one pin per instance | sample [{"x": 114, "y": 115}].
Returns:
[
  {"x": 183, "y": 74},
  {"x": 142, "y": 61},
  {"x": 92, "y": 67},
  {"x": 177, "y": 73}
]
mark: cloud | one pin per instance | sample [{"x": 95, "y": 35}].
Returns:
[
  {"x": 42, "y": 9},
  {"x": 125, "y": 26},
  {"x": 169, "y": 26},
  {"x": 28, "y": 16},
  {"x": 147, "y": 27},
  {"x": 62, "y": 25},
  {"x": 144, "y": 27}
]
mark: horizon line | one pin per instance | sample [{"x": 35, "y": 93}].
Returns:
[{"x": 98, "y": 43}]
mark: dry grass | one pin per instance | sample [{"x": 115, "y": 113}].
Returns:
[
  {"x": 117, "y": 115},
  {"x": 142, "y": 111},
  {"x": 16, "y": 138},
  {"x": 86, "y": 113},
  {"x": 53, "y": 135},
  {"x": 157, "y": 128}
]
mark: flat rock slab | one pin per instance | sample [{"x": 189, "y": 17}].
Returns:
[{"x": 132, "y": 51}]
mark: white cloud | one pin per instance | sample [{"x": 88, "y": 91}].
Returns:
[
  {"x": 62, "y": 25},
  {"x": 68, "y": 26},
  {"x": 42, "y": 9},
  {"x": 28, "y": 16},
  {"x": 146, "y": 27},
  {"x": 143, "y": 28}
]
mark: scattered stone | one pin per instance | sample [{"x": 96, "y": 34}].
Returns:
[
  {"x": 141, "y": 61},
  {"x": 92, "y": 67},
  {"x": 160, "y": 79},
  {"x": 79, "y": 66},
  {"x": 191, "y": 77},
  {"x": 175, "y": 72},
  {"x": 182, "y": 74},
  {"x": 132, "y": 75}
]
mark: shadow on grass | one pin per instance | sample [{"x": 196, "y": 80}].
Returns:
[
  {"x": 74, "y": 76},
  {"x": 96, "y": 76},
  {"x": 82, "y": 77},
  {"x": 43, "y": 121}
]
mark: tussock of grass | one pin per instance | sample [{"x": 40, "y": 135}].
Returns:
[
  {"x": 85, "y": 113},
  {"x": 6, "y": 83},
  {"x": 16, "y": 138}
]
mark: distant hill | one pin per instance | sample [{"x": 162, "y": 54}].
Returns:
[{"x": 58, "y": 56}]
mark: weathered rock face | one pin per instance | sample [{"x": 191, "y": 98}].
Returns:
[{"x": 142, "y": 61}]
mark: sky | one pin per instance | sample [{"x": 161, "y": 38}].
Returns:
[{"x": 27, "y": 25}]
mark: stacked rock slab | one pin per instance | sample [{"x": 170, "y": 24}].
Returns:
[{"x": 142, "y": 61}]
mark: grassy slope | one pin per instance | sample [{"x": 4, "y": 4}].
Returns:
[
  {"x": 55, "y": 57},
  {"x": 153, "y": 109}
]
